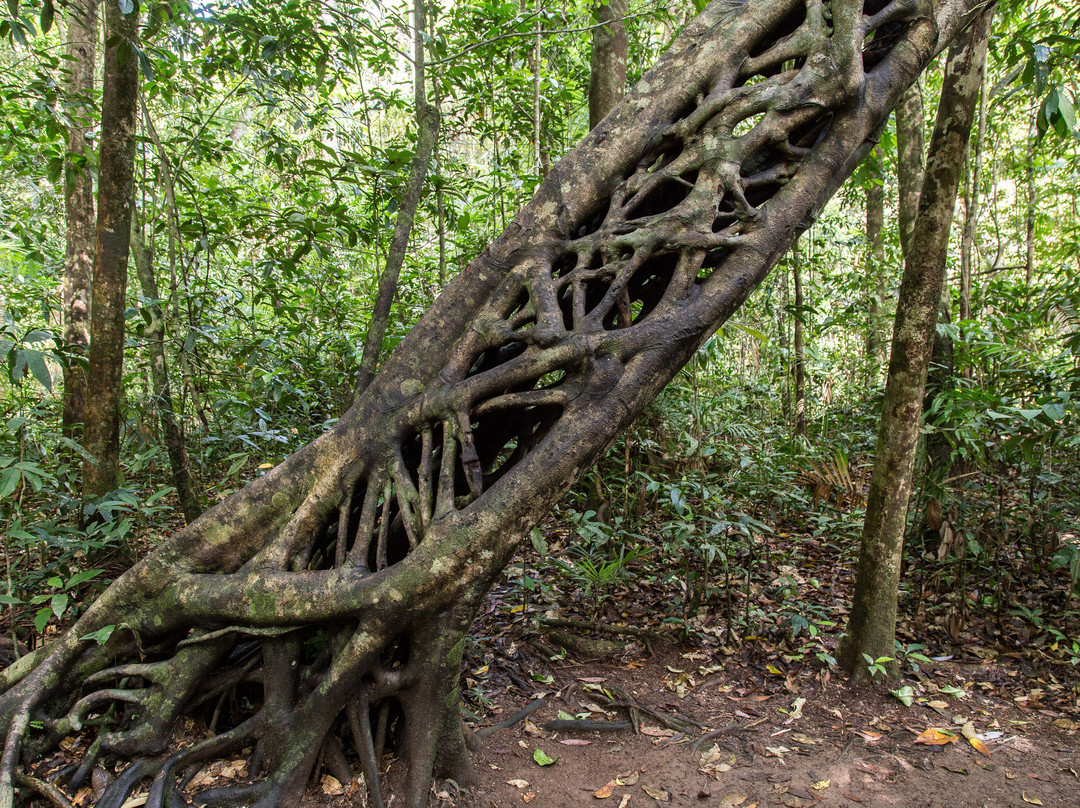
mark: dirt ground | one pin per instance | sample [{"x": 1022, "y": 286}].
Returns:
[{"x": 843, "y": 746}]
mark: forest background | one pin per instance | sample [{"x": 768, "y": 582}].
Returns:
[{"x": 273, "y": 149}]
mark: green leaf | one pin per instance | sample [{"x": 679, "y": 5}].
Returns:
[
  {"x": 905, "y": 694},
  {"x": 127, "y": 6},
  {"x": 82, "y": 577},
  {"x": 101, "y": 636},
  {"x": 542, "y": 758},
  {"x": 59, "y": 604},
  {"x": 539, "y": 543},
  {"x": 10, "y": 600},
  {"x": 47, "y": 12},
  {"x": 41, "y": 619},
  {"x": 36, "y": 362},
  {"x": 1054, "y": 411},
  {"x": 9, "y": 481}
]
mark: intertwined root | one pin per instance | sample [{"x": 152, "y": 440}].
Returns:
[{"x": 319, "y": 614}]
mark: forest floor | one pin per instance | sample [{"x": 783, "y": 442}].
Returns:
[
  {"x": 730, "y": 721},
  {"x": 736, "y": 706}
]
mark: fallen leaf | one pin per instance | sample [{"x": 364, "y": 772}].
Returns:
[
  {"x": 868, "y": 735},
  {"x": 937, "y": 704},
  {"x": 821, "y": 785},
  {"x": 776, "y": 751},
  {"x": 574, "y": 742},
  {"x": 775, "y": 671},
  {"x": 628, "y": 779},
  {"x": 517, "y": 782},
  {"x": 796, "y": 708},
  {"x": 731, "y": 801},
  {"x": 851, "y": 797},
  {"x": 1031, "y": 800},
  {"x": 954, "y": 769},
  {"x": 980, "y": 747},
  {"x": 137, "y": 801},
  {"x": 604, "y": 792},
  {"x": 803, "y": 738},
  {"x": 625, "y": 800},
  {"x": 968, "y": 731},
  {"x": 1066, "y": 723},
  {"x": 331, "y": 786},
  {"x": 657, "y": 794},
  {"x": 592, "y": 680},
  {"x": 936, "y": 737},
  {"x": 542, "y": 758},
  {"x": 528, "y": 796},
  {"x": 656, "y": 732}
]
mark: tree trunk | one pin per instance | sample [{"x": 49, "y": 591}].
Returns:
[
  {"x": 800, "y": 354},
  {"x": 607, "y": 69},
  {"x": 871, "y": 629},
  {"x": 909, "y": 161},
  {"x": 427, "y": 123},
  {"x": 971, "y": 209},
  {"x": 345, "y": 578},
  {"x": 154, "y": 334},
  {"x": 876, "y": 346},
  {"x": 1029, "y": 218},
  {"x": 82, "y": 35},
  {"x": 116, "y": 164}
]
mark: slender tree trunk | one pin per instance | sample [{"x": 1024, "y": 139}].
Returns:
[
  {"x": 800, "y": 355},
  {"x": 427, "y": 122},
  {"x": 1029, "y": 219},
  {"x": 116, "y": 165},
  {"x": 871, "y": 629},
  {"x": 154, "y": 334},
  {"x": 607, "y": 69},
  {"x": 876, "y": 346},
  {"x": 910, "y": 145},
  {"x": 81, "y": 50},
  {"x": 971, "y": 210},
  {"x": 373, "y": 546}
]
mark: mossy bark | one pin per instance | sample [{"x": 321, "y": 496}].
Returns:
[
  {"x": 871, "y": 628},
  {"x": 116, "y": 166},
  {"x": 329, "y": 599}
]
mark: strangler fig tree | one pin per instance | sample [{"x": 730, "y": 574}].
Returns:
[{"x": 334, "y": 593}]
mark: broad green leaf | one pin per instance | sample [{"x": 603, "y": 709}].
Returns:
[
  {"x": 41, "y": 619},
  {"x": 59, "y": 604},
  {"x": 36, "y": 362},
  {"x": 82, "y": 577},
  {"x": 1054, "y": 411}
]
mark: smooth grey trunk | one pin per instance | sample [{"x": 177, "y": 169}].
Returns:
[
  {"x": 871, "y": 629},
  {"x": 607, "y": 67},
  {"x": 427, "y": 123},
  {"x": 81, "y": 50},
  {"x": 154, "y": 335}
]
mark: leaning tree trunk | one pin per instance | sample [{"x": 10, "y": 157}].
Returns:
[{"x": 336, "y": 591}]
